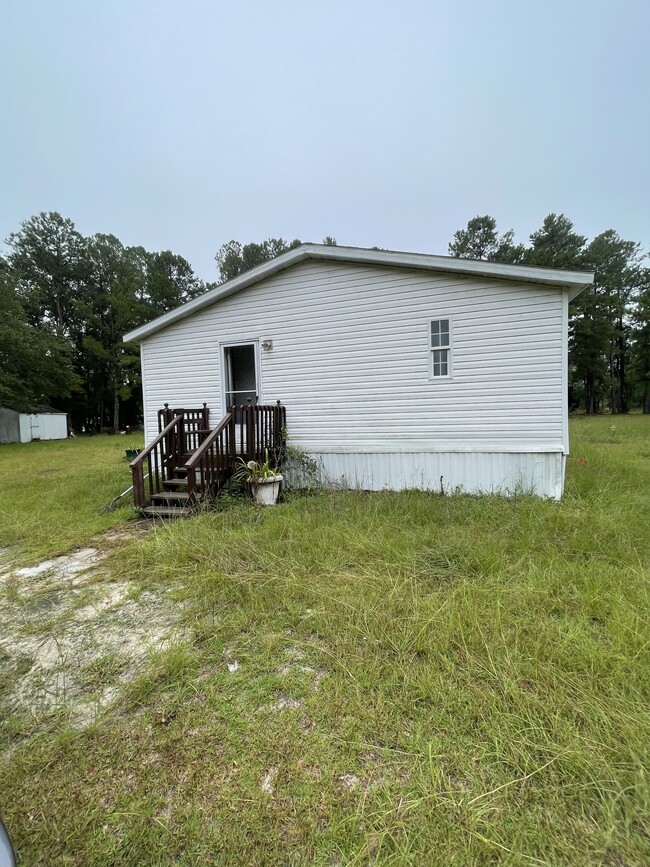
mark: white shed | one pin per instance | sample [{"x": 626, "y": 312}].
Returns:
[
  {"x": 397, "y": 370},
  {"x": 39, "y": 423}
]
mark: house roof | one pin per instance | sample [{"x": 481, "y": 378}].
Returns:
[{"x": 574, "y": 281}]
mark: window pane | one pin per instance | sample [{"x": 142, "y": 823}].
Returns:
[
  {"x": 440, "y": 362},
  {"x": 439, "y": 333}
]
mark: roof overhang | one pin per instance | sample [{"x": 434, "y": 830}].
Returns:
[{"x": 574, "y": 281}]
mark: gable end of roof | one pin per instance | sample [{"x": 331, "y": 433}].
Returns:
[{"x": 574, "y": 281}]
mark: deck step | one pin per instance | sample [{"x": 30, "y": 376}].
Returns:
[
  {"x": 174, "y": 483},
  {"x": 166, "y": 511},
  {"x": 174, "y": 496}
]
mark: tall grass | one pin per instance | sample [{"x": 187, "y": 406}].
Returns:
[
  {"x": 52, "y": 493},
  {"x": 421, "y": 680}
]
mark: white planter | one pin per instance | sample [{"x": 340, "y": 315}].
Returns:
[{"x": 266, "y": 491}]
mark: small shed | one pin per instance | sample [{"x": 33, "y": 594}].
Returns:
[{"x": 38, "y": 423}]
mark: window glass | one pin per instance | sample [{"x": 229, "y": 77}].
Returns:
[{"x": 440, "y": 347}]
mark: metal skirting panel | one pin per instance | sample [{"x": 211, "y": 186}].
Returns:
[{"x": 452, "y": 472}]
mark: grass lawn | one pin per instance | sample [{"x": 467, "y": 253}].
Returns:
[
  {"x": 52, "y": 493},
  {"x": 363, "y": 678}
]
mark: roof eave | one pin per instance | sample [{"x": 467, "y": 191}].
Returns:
[{"x": 573, "y": 281}]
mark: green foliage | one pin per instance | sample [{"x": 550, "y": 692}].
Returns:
[
  {"x": 555, "y": 244},
  {"x": 255, "y": 471},
  {"x": 69, "y": 300},
  {"x": 234, "y": 259},
  {"x": 480, "y": 240},
  {"x": 35, "y": 364}
]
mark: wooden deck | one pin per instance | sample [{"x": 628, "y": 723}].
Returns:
[{"x": 188, "y": 463}]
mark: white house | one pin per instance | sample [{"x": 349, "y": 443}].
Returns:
[
  {"x": 397, "y": 370},
  {"x": 40, "y": 423}
]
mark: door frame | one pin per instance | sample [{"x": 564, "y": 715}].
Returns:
[{"x": 227, "y": 344}]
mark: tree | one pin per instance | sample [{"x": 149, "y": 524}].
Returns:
[
  {"x": 48, "y": 260},
  {"x": 234, "y": 259},
  {"x": 168, "y": 282},
  {"x": 555, "y": 244},
  {"x": 618, "y": 279},
  {"x": 640, "y": 342},
  {"x": 480, "y": 240},
  {"x": 35, "y": 365}
]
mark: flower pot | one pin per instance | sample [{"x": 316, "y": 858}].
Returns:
[
  {"x": 131, "y": 454},
  {"x": 266, "y": 491}
]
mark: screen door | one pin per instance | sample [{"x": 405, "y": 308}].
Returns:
[{"x": 240, "y": 365}]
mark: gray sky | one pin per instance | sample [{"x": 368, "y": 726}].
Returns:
[{"x": 181, "y": 125}]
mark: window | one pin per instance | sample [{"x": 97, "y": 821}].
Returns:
[{"x": 440, "y": 347}]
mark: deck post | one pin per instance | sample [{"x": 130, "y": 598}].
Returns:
[{"x": 250, "y": 431}]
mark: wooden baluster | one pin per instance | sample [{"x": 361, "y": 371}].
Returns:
[
  {"x": 250, "y": 430},
  {"x": 138, "y": 485}
]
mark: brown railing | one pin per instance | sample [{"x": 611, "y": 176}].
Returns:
[
  {"x": 212, "y": 464},
  {"x": 159, "y": 458},
  {"x": 209, "y": 457},
  {"x": 258, "y": 428},
  {"x": 196, "y": 425},
  {"x": 246, "y": 432}
]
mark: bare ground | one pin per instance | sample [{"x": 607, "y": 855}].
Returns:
[{"x": 72, "y": 637}]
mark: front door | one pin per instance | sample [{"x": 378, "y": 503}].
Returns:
[{"x": 240, "y": 381}]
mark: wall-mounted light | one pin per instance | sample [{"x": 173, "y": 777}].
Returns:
[{"x": 267, "y": 345}]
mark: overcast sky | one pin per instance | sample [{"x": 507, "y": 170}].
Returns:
[{"x": 180, "y": 125}]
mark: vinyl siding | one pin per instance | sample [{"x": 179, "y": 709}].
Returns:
[{"x": 351, "y": 360}]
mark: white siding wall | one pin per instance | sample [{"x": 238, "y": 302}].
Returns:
[{"x": 350, "y": 352}]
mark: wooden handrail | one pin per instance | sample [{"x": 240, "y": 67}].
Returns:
[
  {"x": 213, "y": 460},
  {"x": 194, "y": 458},
  {"x": 158, "y": 469},
  {"x": 210, "y": 456},
  {"x": 146, "y": 451}
]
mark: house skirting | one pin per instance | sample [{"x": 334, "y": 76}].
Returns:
[{"x": 508, "y": 473}]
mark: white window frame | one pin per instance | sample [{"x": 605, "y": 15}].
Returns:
[{"x": 449, "y": 348}]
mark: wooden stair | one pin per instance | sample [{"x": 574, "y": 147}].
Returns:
[
  {"x": 185, "y": 442},
  {"x": 174, "y": 501}
]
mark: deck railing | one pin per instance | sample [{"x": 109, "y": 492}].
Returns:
[
  {"x": 246, "y": 432},
  {"x": 258, "y": 428},
  {"x": 209, "y": 457},
  {"x": 159, "y": 459},
  {"x": 212, "y": 464},
  {"x": 194, "y": 429}
]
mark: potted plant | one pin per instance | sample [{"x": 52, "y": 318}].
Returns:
[{"x": 262, "y": 478}]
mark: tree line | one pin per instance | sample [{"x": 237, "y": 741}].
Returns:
[{"x": 66, "y": 300}]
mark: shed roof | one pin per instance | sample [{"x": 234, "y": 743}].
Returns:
[
  {"x": 45, "y": 410},
  {"x": 574, "y": 281}
]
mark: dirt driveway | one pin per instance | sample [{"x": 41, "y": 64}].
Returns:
[{"x": 72, "y": 637}]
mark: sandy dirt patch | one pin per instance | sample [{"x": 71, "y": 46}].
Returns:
[{"x": 72, "y": 638}]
